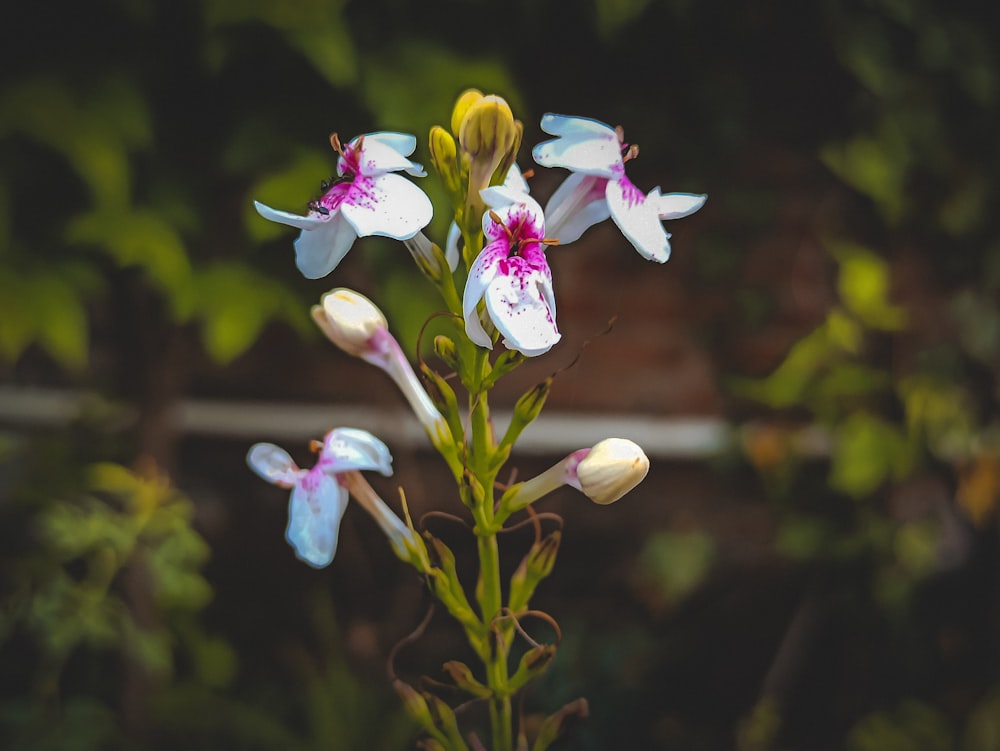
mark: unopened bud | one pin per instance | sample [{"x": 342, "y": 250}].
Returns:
[
  {"x": 444, "y": 347},
  {"x": 529, "y": 406},
  {"x": 349, "y": 320},
  {"x": 414, "y": 704},
  {"x": 464, "y": 679},
  {"x": 542, "y": 556},
  {"x": 534, "y": 662},
  {"x": 444, "y": 719},
  {"x": 486, "y": 135},
  {"x": 556, "y": 724},
  {"x": 465, "y": 100},
  {"x": 429, "y": 257},
  {"x": 534, "y": 567},
  {"x": 507, "y": 362},
  {"x": 603, "y": 473},
  {"x": 510, "y": 157},
  {"x": 444, "y": 157},
  {"x": 609, "y": 470},
  {"x": 526, "y": 409}
]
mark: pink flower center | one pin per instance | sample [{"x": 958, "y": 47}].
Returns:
[
  {"x": 632, "y": 195},
  {"x": 351, "y": 187}
]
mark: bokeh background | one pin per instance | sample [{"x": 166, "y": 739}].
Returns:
[{"x": 812, "y": 562}]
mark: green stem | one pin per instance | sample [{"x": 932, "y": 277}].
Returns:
[
  {"x": 496, "y": 656},
  {"x": 482, "y": 431},
  {"x": 490, "y": 593}
]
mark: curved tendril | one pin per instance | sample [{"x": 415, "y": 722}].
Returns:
[
  {"x": 579, "y": 353},
  {"x": 410, "y": 638},
  {"x": 442, "y": 515},
  {"x": 534, "y": 520},
  {"x": 507, "y": 614},
  {"x": 423, "y": 329}
]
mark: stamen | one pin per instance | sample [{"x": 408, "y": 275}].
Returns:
[
  {"x": 528, "y": 174},
  {"x": 549, "y": 241},
  {"x": 315, "y": 446},
  {"x": 620, "y": 132},
  {"x": 336, "y": 144}
]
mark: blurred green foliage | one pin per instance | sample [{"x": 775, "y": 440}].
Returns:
[{"x": 114, "y": 570}]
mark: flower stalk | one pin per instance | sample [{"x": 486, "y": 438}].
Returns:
[{"x": 497, "y": 247}]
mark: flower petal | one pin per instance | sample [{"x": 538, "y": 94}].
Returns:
[
  {"x": 316, "y": 507},
  {"x": 451, "y": 251},
  {"x": 273, "y": 464},
  {"x": 638, "y": 218},
  {"x": 402, "y": 143},
  {"x": 572, "y": 126},
  {"x": 387, "y": 205},
  {"x": 676, "y": 205},
  {"x": 515, "y": 180},
  {"x": 312, "y": 221},
  {"x": 582, "y": 145},
  {"x": 319, "y": 250},
  {"x": 522, "y": 307},
  {"x": 379, "y": 154},
  {"x": 579, "y": 203},
  {"x": 350, "y": 448},
  {"x": 482, "y": 273}
]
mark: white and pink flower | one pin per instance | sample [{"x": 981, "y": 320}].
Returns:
[
  {"x": 368, "y": 199},
  {"x": 319, "y": 495},
  {"x": 596, "y": 154},
  {"x": 512, "y": 276}
]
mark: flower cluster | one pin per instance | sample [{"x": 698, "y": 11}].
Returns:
[
  {"x": 509, "y": 280},
  {"x": 494, "y": 278}
]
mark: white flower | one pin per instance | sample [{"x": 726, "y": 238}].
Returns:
[
  {"x": 318, "y": 498},
  {"x": 512, "y": 275},
  {"x": 369, "y": 199},
  {"x": 598, "y": 187}
]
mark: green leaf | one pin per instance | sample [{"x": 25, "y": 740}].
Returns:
[
  {"x": 867, "y": 452},
  {"x": 864, "y": 284},
  {"x": 43, "y": 308},
  {"x": 872, "y": 167},
  {"x": 94, "y": 129},
  {"x": 234, "y": 303},
  {"x": 141, "y": 238}
]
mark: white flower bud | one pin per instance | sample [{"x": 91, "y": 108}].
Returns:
[
  {"x": 353, "y": 322},
  {"x": 610, "y": 469},
  {"x": 349, "y": 320}
]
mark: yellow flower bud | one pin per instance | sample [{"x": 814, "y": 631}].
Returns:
[
  {"x": 486, "y": 135},
  {"x": 444, "y": 157},
  {"x": 465, "y": 100},
  {"x": 611, "y": 469}
]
